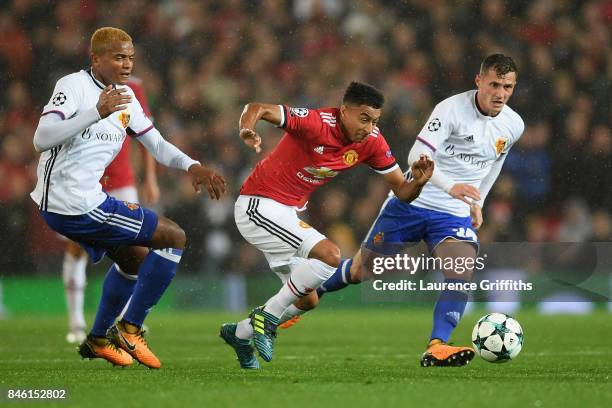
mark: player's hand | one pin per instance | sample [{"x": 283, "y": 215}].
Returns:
[
  {"x": 422, "y": 170},
  {"x": 465, "y": 193},
  {"x": 150, "y": 191},
  {"x": 210, "y": 179},
  {"x": 251, "y": 139},
  {"x": 112, "y": 100},
  {"x": 476, "y": 214}
]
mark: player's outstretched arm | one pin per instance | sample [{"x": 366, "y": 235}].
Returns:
[
  {"x": 171, "y": 156},
  {"x": 251, "y": 114},
  {"x": 405, "y": 190}
]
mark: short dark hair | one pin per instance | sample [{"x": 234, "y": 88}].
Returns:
[
  {"x": 358, "y": 93},
  {"x": 502, "y": 64}
]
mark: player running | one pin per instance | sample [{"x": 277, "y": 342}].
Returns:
[
  {"x": 469, "y": 136},
  {"x": 118, "y": 181},
  {"x": 81, "y": 130},
  {"x": 317, "y": 145}
]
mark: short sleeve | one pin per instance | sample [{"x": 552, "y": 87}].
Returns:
[
  {"x": 65, "y": 100},
  {"x": 382, "y": 160},
  {"x": 302, "y": 122},
  {"x": 139, "y": 123},
  {"x": 438, "y": 127}
]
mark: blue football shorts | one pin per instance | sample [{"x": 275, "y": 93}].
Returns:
[
  {"x": 111, "y": 225},
  {"x": 399, "y": 224}
]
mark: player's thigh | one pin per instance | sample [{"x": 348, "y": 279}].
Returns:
[
  {"x": 397, "y": 226},
  {"x": 274, "y": 229},
  {"x": 111, "y": 225},
  {"x": 452, "y": 237},
  {"x": 463, "y": 253},
  {"x": 168, "y": 234},
  {"x": 443, "y": 227}
]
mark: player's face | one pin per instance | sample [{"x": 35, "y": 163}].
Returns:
[
  {"x": 115, "y": 65},
  {"x": 359, "y": 121},
  {"x": 494, "y": 91}
]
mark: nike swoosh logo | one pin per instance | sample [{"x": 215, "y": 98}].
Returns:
[{"x": 129, "y": 345}]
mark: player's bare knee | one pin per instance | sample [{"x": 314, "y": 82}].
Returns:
[
  {"x": 179, "y": 238},
  {"x": 168, "y": 235},
  {"x": 327, "y": 252}
]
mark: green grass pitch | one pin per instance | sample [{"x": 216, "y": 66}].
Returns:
[{"x": 352, "y": 358}]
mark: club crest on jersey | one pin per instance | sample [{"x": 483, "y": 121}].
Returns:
[
  {"x": 319, "y": 149},
  {"x": 124, "y": 118},
  {"x": 321, "y": 172},
  {"x": 500, "y": 144},
  {"x": 378, "y": 238},
  {"x": 350, "y": 157},
  {"x": 131, "y": 206},
  {"x": 299, "y": 112},
  {"x": 304, "y": 224}
]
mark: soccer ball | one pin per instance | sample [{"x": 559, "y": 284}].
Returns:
[{"x": 497, "y": 338}]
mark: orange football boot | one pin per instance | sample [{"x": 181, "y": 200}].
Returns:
[
  {"x": 290, "y": 322},
  {"x": 441, "y": 354},
  {"x": 134, "y": 344},
  {"x": 104, "y": 348}
]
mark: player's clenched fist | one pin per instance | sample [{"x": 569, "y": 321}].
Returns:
[
  {"x": 251, "y": 139},
  {"x": 112, "y": 100},
  {"x": 422, "y": 169},
  {"x": 209, "y": 178}
]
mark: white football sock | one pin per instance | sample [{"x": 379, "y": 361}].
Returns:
[
  {"x": 73, "y": 273},
  {"x": 306, "y": 276},
  {"x": 290, "y": 312},
  {"x": 244, "y": 330}
]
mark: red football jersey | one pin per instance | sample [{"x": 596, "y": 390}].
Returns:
[
  {"x": 119, "y": 172},
  {"x": 312, "y": 151}
]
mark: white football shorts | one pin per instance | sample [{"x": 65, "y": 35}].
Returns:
[{"x": 275, "y": 229}]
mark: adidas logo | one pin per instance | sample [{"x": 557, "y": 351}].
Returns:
[
  {"x": 328, "y": 118},
  {"x": 469, "y": 139},
  {"x": 319, "y": 149}
]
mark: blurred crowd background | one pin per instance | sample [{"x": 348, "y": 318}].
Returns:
[{"x": 201, "y": 61}]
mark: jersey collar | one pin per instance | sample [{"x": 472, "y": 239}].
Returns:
[
  {"x": 95, "y": 81},
  {"x": 484, "y": 115}
]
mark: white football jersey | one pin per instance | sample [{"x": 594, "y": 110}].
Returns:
[
  {"x": 464, "y": 145},
  {"x": 69, "y": 174}
]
